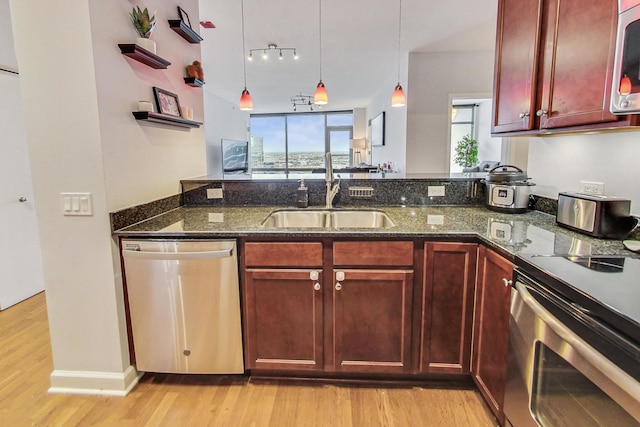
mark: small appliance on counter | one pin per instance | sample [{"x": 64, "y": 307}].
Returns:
[
  {"x": 597, "y": 216},
  {"x": 507, "y": 189}
]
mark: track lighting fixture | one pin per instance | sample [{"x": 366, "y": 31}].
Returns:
[{"x": 273, "y": 47}]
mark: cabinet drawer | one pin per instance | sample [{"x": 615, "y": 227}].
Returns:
[
  {"x": 283, "y": 254},
  {"x": 373, "y": 253}
]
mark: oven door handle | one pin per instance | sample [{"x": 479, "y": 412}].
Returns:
[{"x": 592, "y": 356}]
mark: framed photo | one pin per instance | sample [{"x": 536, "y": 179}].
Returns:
[
  {"x": 183, "y": 16},
  {"x": 167, "y": 102},
  {"x": 377, "y": 130}
]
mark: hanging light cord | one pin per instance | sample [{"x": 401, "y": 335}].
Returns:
[
  {"x": 399, "y": 32},
  {"x": 320, "y": 32},
  {"x": 244, "y": 61}
]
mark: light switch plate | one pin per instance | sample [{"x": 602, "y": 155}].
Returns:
[
  {"x": 216, "y": 217},
  {"x": 214, "y": 193},
  {"x": 435, "y": 191},
  {"x": 76, "y": 204}
]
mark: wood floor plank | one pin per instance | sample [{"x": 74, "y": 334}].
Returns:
[{"x": 208, "y": 400}]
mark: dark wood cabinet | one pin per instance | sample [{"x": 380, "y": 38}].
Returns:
[
  {"x": 356, "y": 317},
  {"x": 372, "y": 320},
  {"x": 554, "y": 61},
  {"x": 283, "y": 305},
  {"x": 491, "y": 328},
  {"x": 447, "y": 307},
  {"x": 284, "y": 324}
]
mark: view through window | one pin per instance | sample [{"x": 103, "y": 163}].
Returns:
[{"x": 298, "y": 142}]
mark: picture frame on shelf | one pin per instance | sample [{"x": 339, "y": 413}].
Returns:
[
  {"x": 167, "y": 102},
  {"x": 377, "y": 130},
  {"x": 184, "y": 17}
]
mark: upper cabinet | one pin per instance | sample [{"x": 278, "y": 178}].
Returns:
[{"x": 554, "y": 61}]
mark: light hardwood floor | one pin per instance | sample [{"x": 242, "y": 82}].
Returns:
[{"x": 200, "y": 400}]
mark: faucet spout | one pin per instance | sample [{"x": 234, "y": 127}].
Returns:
[
  {"x": 328, "y": 168},
  {"x": 332, "y": 189}
]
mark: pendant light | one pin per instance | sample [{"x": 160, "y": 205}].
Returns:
[
  {"x": 246, "y": 103},
  {"x": 320, "y": 96},
  {"x": 625, "y": 85},
  {"x": 398, "y": 99}
]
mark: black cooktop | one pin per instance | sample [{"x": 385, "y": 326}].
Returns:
[{"x": 608, "y": 286}]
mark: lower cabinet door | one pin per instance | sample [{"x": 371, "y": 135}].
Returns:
[
  {"x": 447, "y": 301},
  {"x": 491, "y": 328},
  {"x": 283, "y": 319},
  {"x": 372, "y": 320}
]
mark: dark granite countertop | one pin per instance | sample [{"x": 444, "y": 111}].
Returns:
[{"x": 511, "y": 234}]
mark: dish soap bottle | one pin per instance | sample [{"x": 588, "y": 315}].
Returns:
[{"x": 303, "y": 195}]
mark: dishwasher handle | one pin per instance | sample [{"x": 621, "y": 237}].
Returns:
[{"x": 170, "y": 256}]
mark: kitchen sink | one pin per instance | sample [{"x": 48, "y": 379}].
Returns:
[
  {"x": 328, "y": 218},
  {"x": 360, "y": 219},
  {"x": 296, "y": 219}
]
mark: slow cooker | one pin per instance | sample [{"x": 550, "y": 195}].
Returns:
[{"x": 507, "y": 189}]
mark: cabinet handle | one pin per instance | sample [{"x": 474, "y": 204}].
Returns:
[
  {"x": 316, "y": 286},
  {"x": 541, "y": 113},
  {"x": 338, "y": 286},
  {"x": 523, "y": 115},
  {"x": 506, "y": 282}
]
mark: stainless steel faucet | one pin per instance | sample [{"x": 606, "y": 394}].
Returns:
[{"x": 332, "y": 189}]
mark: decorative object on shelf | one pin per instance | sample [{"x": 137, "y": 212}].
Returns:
[
  {"x": 144, "y": 25},
  {"x": 466, "y": 152},
  {"x": 377, "y": 130},
  {"x": 320, "y": 96},
  {"x": 145, "y": 106},
  {"x": 147, "y": 116},
  {"x": 187, "y": 112},
  {"x": 183, "y": 27},
  {"x": 398, "y": 99},
  {"x": 195, "y": 70},
  {"x": 184, "y": 17},
  {"x": 167, "y": 102},
  {"x": 301, "y": 99},
  {"x": 141, "y": 54},
  {"x": 193, "y": 81},
  {"x": 246, "y": 102},
  {"x": 273, "y": 47}
]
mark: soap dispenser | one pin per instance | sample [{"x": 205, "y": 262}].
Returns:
[{"x": 303, "y": 195}]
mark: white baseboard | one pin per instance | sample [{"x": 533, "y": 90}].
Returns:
[{"x": 97, "y": 383}]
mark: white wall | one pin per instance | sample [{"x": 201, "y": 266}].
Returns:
[
  {"x": 394, "y": 148},
  {"x": 559, "y": 164},
  {"x": 78, "y": 92},
  {"x": 224, "y": 121},
  {"x": 432, "y": 78}
]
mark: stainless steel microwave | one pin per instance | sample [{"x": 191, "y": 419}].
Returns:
[{"x": 625, "y": 92}]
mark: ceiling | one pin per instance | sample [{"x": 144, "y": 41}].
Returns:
[{"x": 359, "y": 45}]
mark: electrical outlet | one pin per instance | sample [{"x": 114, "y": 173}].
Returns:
[
  {"x": 214, "y": 193},
  {"x": 435, "y": 191},
  {"x": 593, "y": 188}
]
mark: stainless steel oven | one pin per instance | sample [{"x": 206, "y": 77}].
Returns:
[{"x": 567, "y": 366}]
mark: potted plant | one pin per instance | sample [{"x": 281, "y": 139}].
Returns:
[
  {"x": 144, "y": 25},
  {"x": 467, "y": 153}
]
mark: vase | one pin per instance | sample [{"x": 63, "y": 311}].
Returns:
[{"x": 147, "y": 44}]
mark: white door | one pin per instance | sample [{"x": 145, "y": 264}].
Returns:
[{"x": 20, "y": 256}]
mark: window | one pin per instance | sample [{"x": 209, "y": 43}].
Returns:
[
  {"x": 463, "y": 118},
  {"x": 298, "y": 142}
]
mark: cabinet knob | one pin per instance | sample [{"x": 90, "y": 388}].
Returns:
[
  {"x": 523, "y": 115},
  {"x": 541, "y": 113},
  {"x": 22, "y": 199},
  {"x": 506, "y": 282},
  {"x": 338, "y": 286},
  {"x": 316, "y": 286}
]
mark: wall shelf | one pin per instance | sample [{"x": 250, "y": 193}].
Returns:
[
  {"x": 134, "y": 51},
  {"x": 165, "y": 119},
  {"x": 185, "y": 31},
  {"x": 193, "y": 81}
]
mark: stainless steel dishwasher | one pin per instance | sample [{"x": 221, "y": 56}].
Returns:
[{"x": 185, "y": 305}]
